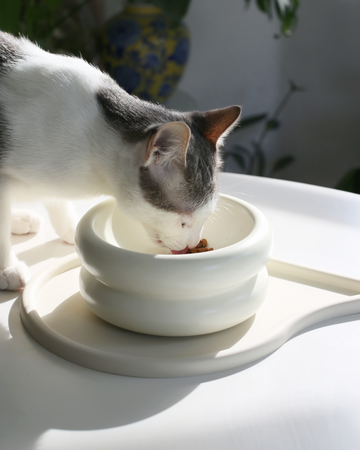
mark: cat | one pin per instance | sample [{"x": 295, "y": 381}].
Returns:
[{"x": 69, "y": 131}]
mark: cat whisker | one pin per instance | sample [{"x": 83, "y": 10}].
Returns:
[
  {"x": 225, "y": 190},
  {"x": 228, "y": 206},
  {"x": 216, "y": 212},
  {"x": 212, "y": 219},
  {"x": 240, "y": 194}
]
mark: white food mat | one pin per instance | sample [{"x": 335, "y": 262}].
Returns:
[{"x": 55, "y": 315}]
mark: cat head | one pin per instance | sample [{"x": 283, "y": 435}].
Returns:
[{"x": 178, "y": 176}]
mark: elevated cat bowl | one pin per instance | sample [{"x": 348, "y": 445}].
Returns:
[{"x": 125, "y": 281}]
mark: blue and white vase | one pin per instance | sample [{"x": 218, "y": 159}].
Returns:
[{"x": 145, "y": 52}]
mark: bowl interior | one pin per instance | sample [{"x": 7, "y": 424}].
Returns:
[{"x": 229, "y": 224}]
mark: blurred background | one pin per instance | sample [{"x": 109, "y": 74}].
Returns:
[{"x": 293, "y": 65}]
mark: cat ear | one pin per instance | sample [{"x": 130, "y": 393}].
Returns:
[
  {"x": 169, "y": 144},
  {"x": 218, "y": 123}
]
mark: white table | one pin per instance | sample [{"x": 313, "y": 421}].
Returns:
[{"x": 306, "y": 395}]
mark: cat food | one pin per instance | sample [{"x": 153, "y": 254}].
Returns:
[{"x": 200, "y": 248}]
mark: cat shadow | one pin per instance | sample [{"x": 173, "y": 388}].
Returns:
[
  {"x": 50, "y": 249},
  {"x": 71, "y": 397},
  {"x": 20, "y": 238},
  {"x": 6, "y": 296}
]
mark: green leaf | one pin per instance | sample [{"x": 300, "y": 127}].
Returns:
[
  {"x": 240, "y": 159},
  {"x": 286, "y": 11},
  {"x": 265, "y": 6},
  {"x": 241, "y": 155},
  {"x": 253, "y": 119},
  {"x": 10, "y": 16},
  {"x": 350, "y": 182},
  {"x": 272, "y": 124},
  {"x": 281, "y": 163},
  {"x": 242, "y": 150},
  {"x": 250, "y": 120},
  {"x": 283, "y": 4},
  {"x": 67, "y": 15}
]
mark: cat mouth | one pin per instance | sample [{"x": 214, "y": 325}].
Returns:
[
  {"x": 174, "y": 252},
  {"x": 180, "y": 252}
]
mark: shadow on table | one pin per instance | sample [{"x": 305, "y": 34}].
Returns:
[
  {"x": 42, "y": 391},
  {"x": 51, "y": 249},
  {"x": 73, "y": 320}
]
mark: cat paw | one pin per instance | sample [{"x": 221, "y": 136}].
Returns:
[
  {"x": 63, "y": 219},
  {"x": 14, "y": 277},
  {"x": 69, "y": 236},
  {"x": 25, "y": 222}
]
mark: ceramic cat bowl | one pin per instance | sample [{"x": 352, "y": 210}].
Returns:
[{"x": 125, "y": 281}]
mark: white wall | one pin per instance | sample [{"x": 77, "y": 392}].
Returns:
[
  {"x": 236, "y": 60},
  {"x": 322, "y": 125}
]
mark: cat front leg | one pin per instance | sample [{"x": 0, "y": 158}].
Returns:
[
  {"x": 13, "y": 273},
  {"x": 63, "y": 218}
]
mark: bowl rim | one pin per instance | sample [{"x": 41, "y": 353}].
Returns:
[{"x": 86, "y": 231}]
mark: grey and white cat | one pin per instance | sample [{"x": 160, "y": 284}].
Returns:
[{"x": 68, "y": 131}]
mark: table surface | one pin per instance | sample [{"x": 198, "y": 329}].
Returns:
[{"x": 306, "y": 395}]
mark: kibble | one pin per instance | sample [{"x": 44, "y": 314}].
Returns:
[{"x": 201, "y": 247}]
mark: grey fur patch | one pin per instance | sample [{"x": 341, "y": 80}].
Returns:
[
  {"x": 10, "y": 52},
  {"x": 153, "y": 192},
  {"x": 136, "y": 121}
]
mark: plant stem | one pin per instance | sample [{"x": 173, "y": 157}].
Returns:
[
  {"x": 292, "y": 89},
  {"x": 67, "y": 16},
  {"x": 283, "y": 103}
]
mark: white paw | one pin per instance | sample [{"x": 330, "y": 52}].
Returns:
[
  {"x": 69, "y": 236},
  {"x": 63, "y": 219},
  {"x": 14, "y": 277},
  {"x": 25, "y": 222}
]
